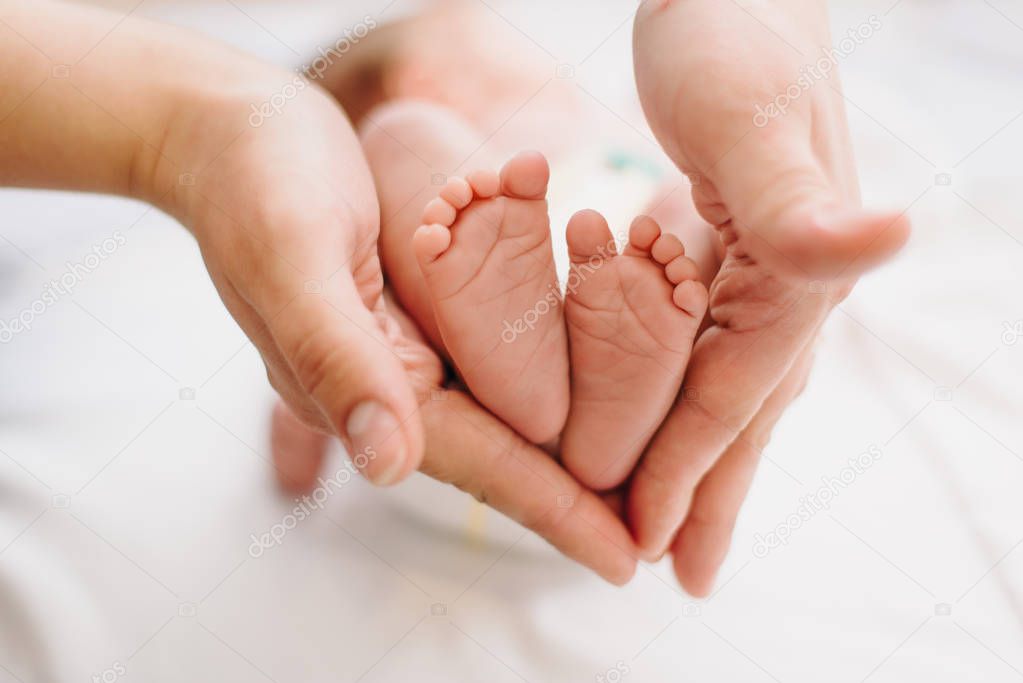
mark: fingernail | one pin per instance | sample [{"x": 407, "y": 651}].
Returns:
[{"x": 375, "y": 433}]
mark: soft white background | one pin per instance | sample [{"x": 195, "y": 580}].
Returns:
[{"x": 126, "y": 511}]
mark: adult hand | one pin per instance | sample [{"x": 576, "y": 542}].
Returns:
[
  {"x": 287, "y": 220},
  {"x": 284, "y": 210},
  {"x": 265, "y": 170},
  {"x": 469, "y": 448},
  {"x": 782, "y": 192}
]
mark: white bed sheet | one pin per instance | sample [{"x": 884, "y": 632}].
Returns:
[{"x": 133, "y": 435}]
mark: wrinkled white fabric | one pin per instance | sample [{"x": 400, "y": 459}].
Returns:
[{"x": 134, "y": 484}]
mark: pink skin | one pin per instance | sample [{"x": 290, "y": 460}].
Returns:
[
  {"x": 785, "y": 201},
  {"x": 784, "y": 185},
  {"x": 784, "y": 198},
  {"x": 632, "y": 319},
  {"x": 465, "y": 444},
  {"x": 498, "y": 69},
  {"x": 488, "y": 263}
]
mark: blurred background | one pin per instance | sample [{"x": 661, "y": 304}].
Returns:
[{"x": 134, "y": 447}]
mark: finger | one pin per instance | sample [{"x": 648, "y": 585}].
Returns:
[
  {"x": 298, "y": 451},
  {"x": 277, "y": 370},
  {"x": 791, "y": 215},
  {"x": 474, "y": 451},
  {"x": 344, "y": 361},
  {"x": 298, "y": 440},
  {"x": 731, "y": 373},
  {"x": 705, "y": 537}
]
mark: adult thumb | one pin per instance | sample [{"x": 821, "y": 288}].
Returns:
[
  {"x": 342, "y": 357},
  {"x": 792, "y": 215}
]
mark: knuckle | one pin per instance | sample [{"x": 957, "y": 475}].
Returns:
[
  {"x": 477, "y": 487},
  {"x": 664, "y": 476},
  {"x": 320, "y": 364},
  {"x": 311, "y": 418},
  {"x": 486, "y": 485},
  {"x": 713, "y": 520},
  {"x": 306, "y": 413},
  {"x": 547, "y": 521}
]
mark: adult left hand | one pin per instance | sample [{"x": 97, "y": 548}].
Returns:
[
  {"x": 469, "y": 448},
  {"x": 783, "y": 195}
]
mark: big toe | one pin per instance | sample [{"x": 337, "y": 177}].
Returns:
[
  {"x": 588, "y": 235},
  {"x": 526, "y": 176}
]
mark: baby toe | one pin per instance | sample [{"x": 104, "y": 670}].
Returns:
[
  {"x": 680, "y": 269},
  {"x": 485, "y": 184},
  {"x": 439, "y": 212},
  {"x": 457, "y": 193},
  {"x": 588, "y": 235},
  {"x": 667, "y": 248},
  {"x": 691, "y": 297},
  {"x": 429, "y": 242},
  {"x": 643, "y": 233},
  {"x": 526, "y": 176}
]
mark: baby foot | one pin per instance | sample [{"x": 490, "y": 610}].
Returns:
[
  {"x": 632, "y": 319},
  {"x": 485, "y": 251}
]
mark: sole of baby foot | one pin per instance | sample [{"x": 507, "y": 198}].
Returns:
[
  {"x": 485, "y": 251},
  {"x": 632, "y": 320}
]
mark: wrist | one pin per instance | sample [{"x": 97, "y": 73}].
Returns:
[
  {"x": 111, "y": 116},
  {"x": 225, "y": 139},
  {"x": 201, "y": 117},
  {"x": 199, "y": 123}
]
